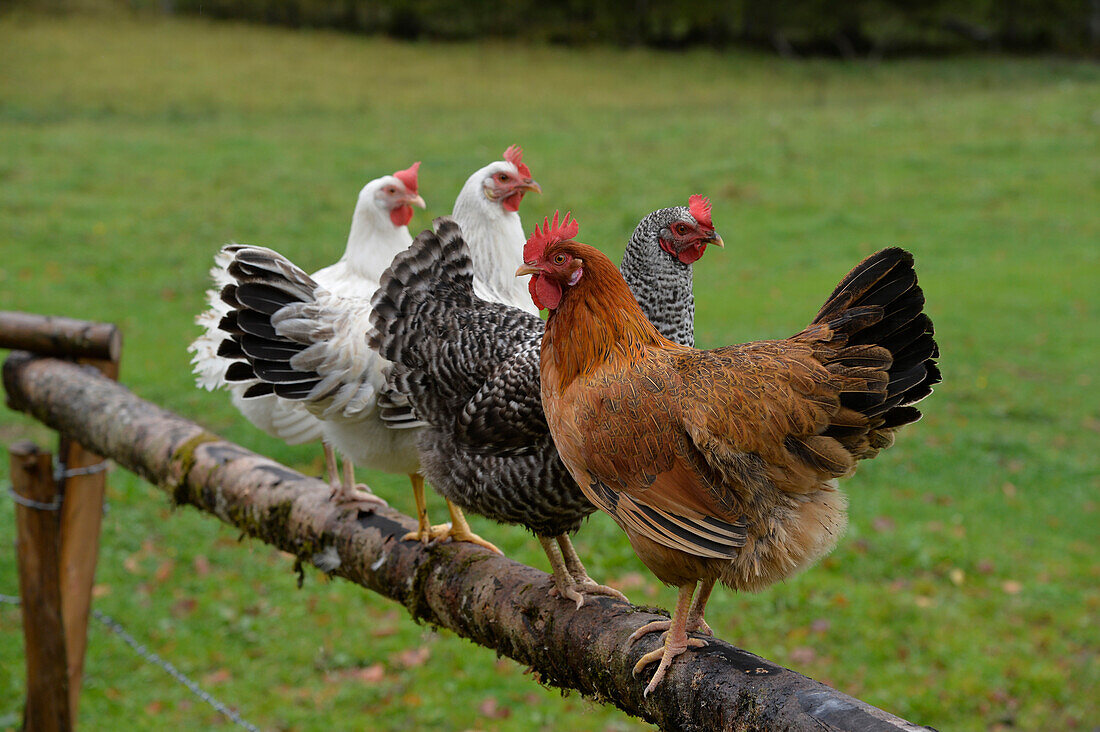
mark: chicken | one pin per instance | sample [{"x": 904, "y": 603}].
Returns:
[
  {"x": 722, "y": 465},
  {"x": 469, "y": 368},
  {"x": 378, "y": 232},
  {"x": 308, "y": 344},
  {"x": 487, "y": 209}
]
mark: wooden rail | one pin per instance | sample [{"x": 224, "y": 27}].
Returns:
[{"x": 491, "y": 600}]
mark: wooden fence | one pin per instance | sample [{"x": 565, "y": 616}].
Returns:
[{"x": 491, "y": 600}]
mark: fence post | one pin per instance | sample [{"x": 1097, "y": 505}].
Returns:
[
  {"x": 82, "y": 486},
  {"x": 82, "y": 482},
  {"x": 38, "y": 544}
]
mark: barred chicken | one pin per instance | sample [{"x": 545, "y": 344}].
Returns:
[
  {"x": 469, "y": 368},
  {"x": 722, "y": 465}
]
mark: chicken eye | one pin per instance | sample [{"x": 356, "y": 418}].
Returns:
[
  {"x": 680, "y": 229},
  {"x": 559, "y": 259},
  {"x": 391, "y": 190},
  {"x": 502, "y": 177}
]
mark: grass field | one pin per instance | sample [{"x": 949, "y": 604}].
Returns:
[{"x": 967, "y": 591}]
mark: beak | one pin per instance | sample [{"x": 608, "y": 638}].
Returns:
[
  {"x": 527, "y": 269},
  {"x": 415, "y": 201},
  {"x": 717, "y": 241},
  {"x": 529, "y": 184}
]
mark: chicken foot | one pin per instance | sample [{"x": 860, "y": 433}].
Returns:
[
  {"x": 571, "y": 581},
  {"x": 344, "y": 488},
  {"x": 457, "y": 530},
  {"x": 676, "y": 641},
  {"x": 695, "y": 622},
  {"x": 582, "y": 582}
]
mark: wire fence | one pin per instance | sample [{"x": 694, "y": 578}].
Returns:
[{"x": 117, "y": 628}]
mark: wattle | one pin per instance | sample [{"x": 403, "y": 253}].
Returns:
[
  {"x": 692, "y": 253},
  {"x": 544, "y": 292},
  {"x": 402, "y": 215},
  {"x": 511, "y": 202}
]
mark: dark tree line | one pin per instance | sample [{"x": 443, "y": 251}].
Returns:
[
  {"x": 851, "y": 28},
  {"x": 848, "y": 28}
]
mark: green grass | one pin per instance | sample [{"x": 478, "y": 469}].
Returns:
[{"x": 965, "y": 594}]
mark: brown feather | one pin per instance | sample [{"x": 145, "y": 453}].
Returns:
[{"x": 724, "y": 463}]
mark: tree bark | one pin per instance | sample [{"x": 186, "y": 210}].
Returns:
[
  {"x": 491, "y": 600},
  {"x": 51, "y": 335}
]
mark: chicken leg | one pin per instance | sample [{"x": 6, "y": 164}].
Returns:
[
  {"x": 344, "y": 488},
  {"x": 695, "y": 622},
  {"x": 581, "y": 581},
  {"x": 457, "y": 530},
  {"x": 676, "y": 640}
]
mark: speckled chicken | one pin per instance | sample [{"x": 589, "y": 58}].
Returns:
[
  {"x": 722, "y": 465},
  {"x": 469, "y": 368}
]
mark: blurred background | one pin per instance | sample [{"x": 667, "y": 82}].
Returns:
[{"x": 137, "y": 138}]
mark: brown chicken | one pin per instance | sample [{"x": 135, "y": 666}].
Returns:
[{"x": 722, "y": 465}]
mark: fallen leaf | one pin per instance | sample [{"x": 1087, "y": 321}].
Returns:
[
  {"x": 803, "y": 655},
  {"x": 154, "y": 707},
  {"x": 101, "y": 590},
  {"x": 882, "y": 524},
  {"x": 957, "y": 576},
  {"x": 164, "y": 570},
  {"x": 491, "y": 709},
  {"x": 201, "y": 565},
  {"x": 1011, "y": 587},
  {"x": 923, "y": 601},
  {"x": 184, "y": 607},
  {"x": 821, "y": 625},
  {"x": 219, "y": 676},
  {"x": 413, "y": 657},
  {"x": 370, "y": 674},
  {"x": 629, "y": 581},
  {"x": 130, "y": 564}
]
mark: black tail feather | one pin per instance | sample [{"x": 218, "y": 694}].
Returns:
[
  {"x": 879, "y": 306},
  {"x": 266, "y": 283}
]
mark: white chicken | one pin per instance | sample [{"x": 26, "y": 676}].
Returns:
[
  {"x": 379, "y": 230},
  {"x": 306, "y": 342}
]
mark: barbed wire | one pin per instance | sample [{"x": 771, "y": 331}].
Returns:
[{"x": 149, "y": 656}]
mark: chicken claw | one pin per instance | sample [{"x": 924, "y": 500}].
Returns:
[
  {"x": 571, "y": 581},
  {"x": 694, "y": 625},
  {"x": 344, "y": 488},
  {"x": 582, "y": 583},
  {"x": 358, "y": 493},
  {"x": 457, "y": 530},
  {"x": 665, "y": 655}
]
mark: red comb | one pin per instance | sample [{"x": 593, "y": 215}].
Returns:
[
  {"x": 551, "y": 233},
  {"x": 699, "y": 207},
  {"x": 514, "y": 155},
  {"x": 408, "y": 176}
]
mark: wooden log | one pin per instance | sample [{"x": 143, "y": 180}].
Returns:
[
  {"x": 63, "y": 337},
  {"x": 491, "y": 600},
  {"x": 37, "y": 542}
]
